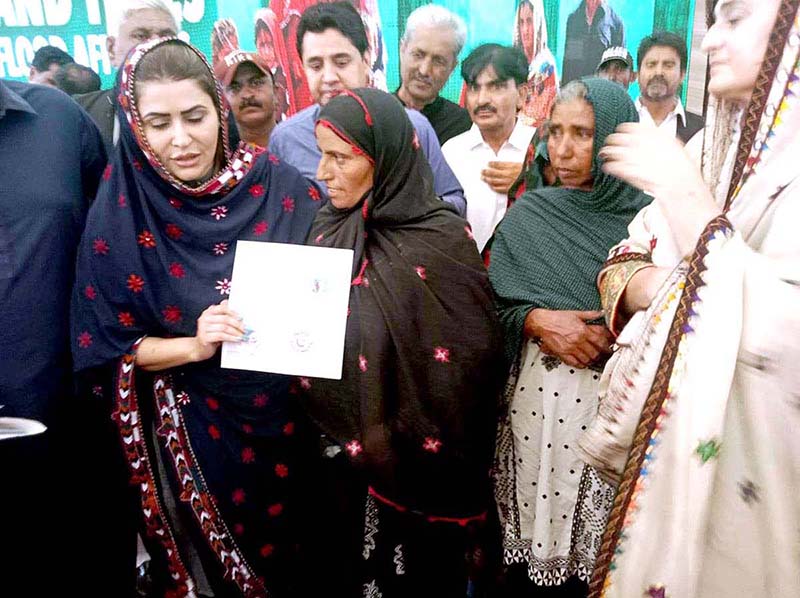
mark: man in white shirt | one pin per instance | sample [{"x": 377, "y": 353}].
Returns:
[
  {"x": 488, "y": 158},
  {"x": 661, "y": 61}
]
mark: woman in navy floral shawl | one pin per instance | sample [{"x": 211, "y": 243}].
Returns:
[{"x": 210, "y": 451}]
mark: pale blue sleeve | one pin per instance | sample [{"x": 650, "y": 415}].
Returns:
[{"x": 445, "y": 183}]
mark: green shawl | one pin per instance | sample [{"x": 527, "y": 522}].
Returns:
[{"x": 550, "y": 247}]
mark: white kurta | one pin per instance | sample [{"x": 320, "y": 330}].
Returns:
[{"x": 468, "y": 155}]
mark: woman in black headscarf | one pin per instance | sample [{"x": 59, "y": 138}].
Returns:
[{"x": 409, "y": 428}]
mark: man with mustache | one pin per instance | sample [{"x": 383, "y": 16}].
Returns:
[
  {"x": 249, "y": 90},
  {"x": 429, "y": 51},
  {"x": 661, "y": 61},
  {"x": 487, "y": 159}
]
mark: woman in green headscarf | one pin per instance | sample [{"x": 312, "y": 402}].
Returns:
[{"x": 545, "y": 260}]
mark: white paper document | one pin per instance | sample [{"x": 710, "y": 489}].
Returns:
[{"x": 293, "y": 300}]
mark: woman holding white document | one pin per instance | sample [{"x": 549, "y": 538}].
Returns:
[{"x": 211, "y": 452}]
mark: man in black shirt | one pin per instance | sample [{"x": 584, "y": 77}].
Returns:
[{"x": 429, "y": 52}]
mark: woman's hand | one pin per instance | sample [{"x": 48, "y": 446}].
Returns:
[
  {"x": 642, "y": 289},
  {"x": 215, "y": 325},
  {"x": 566, "y": 335},
  {"x": 657, "y": 163}
]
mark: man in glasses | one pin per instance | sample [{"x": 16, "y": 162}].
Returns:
[{"x": 250, "y": 92}]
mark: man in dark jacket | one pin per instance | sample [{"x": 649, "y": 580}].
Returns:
[{"x": 139, "y": 21}]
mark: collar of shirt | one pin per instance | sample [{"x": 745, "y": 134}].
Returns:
[
  {"x": 677, "y": 111},
  {"x": 10, "y": 100},
  {"x": 518, "y": 139}
]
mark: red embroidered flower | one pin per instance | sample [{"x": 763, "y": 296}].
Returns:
[
  {"x": 238, "y": 529},
  {"x": 432, "y": 444},
  {"x": 288, "y": 204},
  {"x": 183, "y": 398},
  {"x": 135, "y": 283},
  {"x": 257, "y": 190},
  {"x": 172, "y": 314},
  {"x": 281, "y": 470},
  {"x": 173, "y": 231},
  {"x": 313, "y": 193},
  {"x": 175, "y": 203},
  {"x": 90, "y": 293},
  {"x": 212, "y": 403},
  {"x": 100, "y": 246},
  {"x": 121, "y": 201},
  {"x": 84, "y": 340},
  {"x": 146, "y": 239},
  {"x": 353, "y": 447},
  {"x": 126, "y": 319},
  {"x": 267, "y": 550},
  {"x": 220, "y": 248},
  {"x": 247, "y": 428},
  {"x": 176, "y": 270},
  {"x": 107, "y": 172},
  {"x": 362, "y": 363},
  {"x": 248, "y": 455},
  {"x": 441, "y": 355},
  {"x": 238, "y": 497},
  {"x": 260, "y": 228},
  {"x": 274, "y": 159},
  {"x": 288, "y": 429},
  {"x": 275, "y": 510},
  {"x": 219, "y": 213},
  {"x": 137, "y": 165},
  {"x": 213, "y": 431},
  {"x": 260, "y": 400},
  {"x": 420, "y": 270},
  {"x": 305, "y": 383}
]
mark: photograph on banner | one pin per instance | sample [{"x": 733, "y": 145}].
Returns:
[
  {"x": 587, "y": 28},
  {"x": 274, "y": 37}
]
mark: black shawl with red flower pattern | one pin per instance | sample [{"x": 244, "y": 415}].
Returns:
[{"x": 422, "y": 364}]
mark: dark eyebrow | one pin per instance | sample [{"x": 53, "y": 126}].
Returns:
[{"x": 184, "y": 112}]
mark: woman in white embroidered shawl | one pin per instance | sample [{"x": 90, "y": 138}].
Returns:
[{"x": 699, "y": 418}]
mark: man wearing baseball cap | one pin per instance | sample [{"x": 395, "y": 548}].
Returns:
[
  {"x": 249, "y": 89},
  {"x": 616, "y": 65}
]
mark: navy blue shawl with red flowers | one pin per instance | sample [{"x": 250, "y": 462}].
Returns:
[{"x": 155, "y": 254}]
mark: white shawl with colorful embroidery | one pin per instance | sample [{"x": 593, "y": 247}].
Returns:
[{"x": 700, "y": 407}]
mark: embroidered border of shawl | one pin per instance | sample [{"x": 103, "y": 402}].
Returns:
[
  {"x": 170, "y": 427},
  {"x": 652, "y": 413},
  {"x": 614, "y": 278}
]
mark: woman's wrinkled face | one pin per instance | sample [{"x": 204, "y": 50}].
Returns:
[
  {"x": 736, "y": 45},
  {"x": 571, "y": 143},
  {"x": 181, "y": 124},
  {"x": 347, "y": 174}
]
